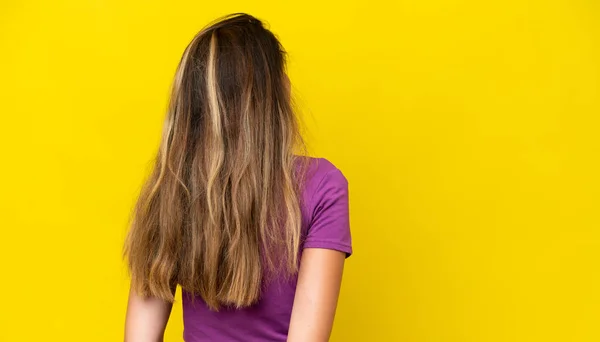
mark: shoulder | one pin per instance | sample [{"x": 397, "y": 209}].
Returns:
[
  {"x": 322, "y": 178},
  {"x": 321, "y": 172},
  {"x": 330, "y": 175},
  {"x": 326, "y": 196}
]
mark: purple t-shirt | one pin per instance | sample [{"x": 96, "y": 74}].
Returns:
[{"x": 325, "y": 224}]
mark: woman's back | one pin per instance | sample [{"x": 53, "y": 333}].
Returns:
[
  {"x": 255, "y": 235},
  {"x": 324, "y": 225}
]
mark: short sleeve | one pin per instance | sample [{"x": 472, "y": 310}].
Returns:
[{"x": 329, "y": 226}]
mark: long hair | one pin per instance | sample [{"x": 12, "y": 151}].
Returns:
[{"x": 221, "y": 207}]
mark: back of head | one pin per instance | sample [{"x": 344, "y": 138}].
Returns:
[{"x": 222, "y": 203}]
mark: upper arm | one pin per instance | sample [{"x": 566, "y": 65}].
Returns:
[
  {"x": 326, "y": 246},
  {"x": 317, "y": 292},
  {"x": 146, "y": 318},
  {"x": 329, "y": 226}
]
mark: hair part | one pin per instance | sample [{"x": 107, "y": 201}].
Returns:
[{"x": 220, "y": 210}]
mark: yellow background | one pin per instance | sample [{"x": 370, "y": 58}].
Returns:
[{"x": 468, "y": 130}]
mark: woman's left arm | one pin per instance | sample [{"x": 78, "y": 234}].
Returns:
[
  {"x": 317, "y": 291},
  {"x": 146, "y": 318}
]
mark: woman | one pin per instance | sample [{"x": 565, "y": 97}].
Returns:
[{"x": 255, "y": 235}]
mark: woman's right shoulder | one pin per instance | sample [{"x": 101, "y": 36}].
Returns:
[
  {"x": 322, "y": 173},
  {"x": 316, "y": 167}
]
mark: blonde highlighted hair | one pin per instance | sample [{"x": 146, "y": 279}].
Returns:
[{"x": 221, "y": 208}]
